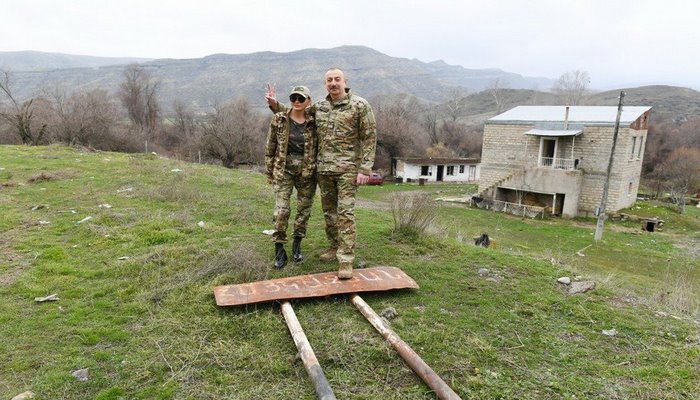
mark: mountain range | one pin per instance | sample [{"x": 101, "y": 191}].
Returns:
[{"x": 205, "y": 81}]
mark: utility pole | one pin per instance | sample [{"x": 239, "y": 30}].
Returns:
[{"x": 606, "y": 186}]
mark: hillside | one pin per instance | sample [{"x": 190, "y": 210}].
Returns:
[
  {"x": 216, "y": 78},
  {"x": 220, "y": 77},
  {"x": 118, "y": 238},
  {"x": 42, "y": 61},
  {"x": 679, "y": 103}
]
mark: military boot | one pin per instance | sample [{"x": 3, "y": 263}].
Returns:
[
  {"x": 296, "y": 250},
  {"x": 280, "y": 255},
  {"x": 345, "y": 270},
  {"x": 328, "y": 255}
]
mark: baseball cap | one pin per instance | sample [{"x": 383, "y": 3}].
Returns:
[{"x": 302, "y": 90}]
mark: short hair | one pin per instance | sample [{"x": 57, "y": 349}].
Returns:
[{"x": 345, "y": 77}]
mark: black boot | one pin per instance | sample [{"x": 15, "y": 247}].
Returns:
[
  {"x": 296, "y": 250},
  {"x": 280, "y": 255}
]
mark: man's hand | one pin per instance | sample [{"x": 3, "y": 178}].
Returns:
[
  {"x": 362, "y": 179},
  {"x": 270, "y": 95}
]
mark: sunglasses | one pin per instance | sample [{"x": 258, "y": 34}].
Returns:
[{"x": 297, "y": 97}]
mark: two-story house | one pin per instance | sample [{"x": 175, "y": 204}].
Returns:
[{"x": 556, "y": 158}]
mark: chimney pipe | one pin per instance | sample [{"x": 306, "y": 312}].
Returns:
[{"x": 566, "y": 118}]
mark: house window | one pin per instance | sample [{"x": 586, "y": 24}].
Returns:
[
  {"x": 450, "y": 170},
  {"x": 634, "y": 143},
  {"x": 461, "y": 169},
  {"x": 425, "y": 170},
  {"x": 639, "y": 151},
  {"x": 629, "y": 189}
]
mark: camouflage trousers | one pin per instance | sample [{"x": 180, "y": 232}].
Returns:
[
  {"x": 338, "y": 203},
  {"x": 306, "y": 189}
]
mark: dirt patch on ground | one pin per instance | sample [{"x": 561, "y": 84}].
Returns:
[
  {"x": 626, "y": 301},
  {"x": 689, "y": 245},
  {"x": 13, "y": 261},
  {"x": 9, "y": 277},
  {"x": 51, "y": 176},
  {"x": 372, "y": 205}
]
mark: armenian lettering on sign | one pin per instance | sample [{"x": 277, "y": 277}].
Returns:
[{"x": 317, "y": 285}]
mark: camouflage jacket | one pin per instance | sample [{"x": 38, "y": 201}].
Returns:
[
  {"x": 277, "y": 141},
  {"x": 346, "y": 132}
]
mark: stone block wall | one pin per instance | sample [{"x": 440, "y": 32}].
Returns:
[{"x": 507, "y": 150}]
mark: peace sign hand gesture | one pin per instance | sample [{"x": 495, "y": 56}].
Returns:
[{"x": 270, "y": 95}]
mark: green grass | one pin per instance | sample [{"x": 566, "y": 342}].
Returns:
[{"x": 147, "y": 326}]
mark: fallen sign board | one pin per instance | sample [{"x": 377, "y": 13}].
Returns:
[
  {"x": 325, "y": 284},
  {"x": 316, "y": 285}
]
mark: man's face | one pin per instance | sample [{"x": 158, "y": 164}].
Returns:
[{"x": 335, "y": 83}]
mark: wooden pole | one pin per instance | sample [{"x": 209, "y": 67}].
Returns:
[
  {"x": 313, "y": 368},
  {"x": 441, "y": 389},
  {"x": 606, "y": 186}
]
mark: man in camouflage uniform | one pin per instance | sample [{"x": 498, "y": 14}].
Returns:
[
  {"x": 347, "y": 140},
  {"x": 290, "y": 161}
]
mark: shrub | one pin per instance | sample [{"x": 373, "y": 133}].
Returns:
[{"x": 413, "y": 213}]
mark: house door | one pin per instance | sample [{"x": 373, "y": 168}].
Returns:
[
  {"x": 548, "y": 149},
  {"x": 440, "y": 170},
  {"x": 472, "y": 173},
  {"x": 559, "y": 204}
]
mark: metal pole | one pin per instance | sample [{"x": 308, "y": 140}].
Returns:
[
  {"x": 606, "y": 186},
  {"x": 441, "y": 389},
  {"x": 321, "y": 385}
]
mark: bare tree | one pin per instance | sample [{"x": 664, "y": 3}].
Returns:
[
  {"x": 139, "y": 96},
  {"x": 454, "y": 106},
  {"x": 572, "y": 86},
  {"x": 83, "y": 118},
  {"x": 233, "y": 133},
  {"x": 182, "y": 134},
  {"x": 665, "y": 136},
  {"x": 462, "y": 139},
  {"x": 429, "y": 123},
  {"x": 397, "y": 127},
  {"x": 20, "y": 115},
  {"x": 183, "y": 121},
  {"x": 681, "y": 174},
  {"x": 439, "y": 151},
  {"x": 498, "y": 90}
]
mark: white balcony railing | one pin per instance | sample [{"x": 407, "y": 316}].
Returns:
[{"x": 557, "y": 163}]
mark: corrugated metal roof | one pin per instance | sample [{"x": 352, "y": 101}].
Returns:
[
  {"x": 577, "y": 114},
  {"x": 552, "y": 132},
  {"x": 429, "y": 160}
]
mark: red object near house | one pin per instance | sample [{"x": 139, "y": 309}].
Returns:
[{"x": 375, "y": 178}]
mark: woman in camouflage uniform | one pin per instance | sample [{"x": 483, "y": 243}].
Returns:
[{"x": 290, "y": 162}]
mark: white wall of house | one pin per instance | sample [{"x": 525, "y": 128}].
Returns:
[{"x": 450, "y": 172}]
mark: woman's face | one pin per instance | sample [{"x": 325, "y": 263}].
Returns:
[{"x": 298, "y": 101}]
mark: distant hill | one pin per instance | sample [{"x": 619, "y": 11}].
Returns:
[
  {"x": 202, "y": 82},
  {"x": 678, "y": 103},
  {"x": 220, "y": 77},
  {"x": 40, "y": 61}
]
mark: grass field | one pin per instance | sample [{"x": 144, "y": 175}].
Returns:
[{"x": 136, "y": 302}]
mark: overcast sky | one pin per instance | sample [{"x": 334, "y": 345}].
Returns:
[{"x": 618, "y": 43}]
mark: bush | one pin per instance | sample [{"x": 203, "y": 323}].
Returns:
[{"x": 413, "y": 213}]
